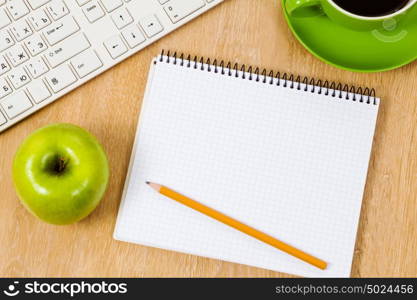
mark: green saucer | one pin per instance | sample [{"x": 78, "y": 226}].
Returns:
[{"x": 360, "y": 51}]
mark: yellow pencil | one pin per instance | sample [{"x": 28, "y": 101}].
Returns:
[{"x": 239, "y": 226}]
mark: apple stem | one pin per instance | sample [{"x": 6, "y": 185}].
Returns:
[{"x": 62, "y": 163}]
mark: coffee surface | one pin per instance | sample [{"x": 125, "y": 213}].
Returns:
[{"x": 369, "y": 8}]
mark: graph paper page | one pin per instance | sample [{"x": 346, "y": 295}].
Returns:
[{"x": 290, "y": 163}]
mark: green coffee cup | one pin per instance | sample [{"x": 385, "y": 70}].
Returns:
[{"x": 312, "y": 8}]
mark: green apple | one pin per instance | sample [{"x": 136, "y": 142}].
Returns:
[{"x": 60, "y": 173}]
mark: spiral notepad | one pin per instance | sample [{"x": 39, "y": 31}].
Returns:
[{"x": 283, "y": 154}]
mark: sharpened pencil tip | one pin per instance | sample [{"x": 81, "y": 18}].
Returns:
[{"x": 155, "y": 186}]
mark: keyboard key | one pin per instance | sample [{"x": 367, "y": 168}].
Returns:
[
  {"x": 39, "y": 19},
  {"x": 38, "y": 91},
  {"x": 60, "y": 78},
  {"x": 4, "y": 65},
  {"x": 21, "y": 30},
  {"x": 93, "y": 11},
  {"x": 37, "y": 3},
  {"x": 18, "y": 77},
  {"x": 82, "y": 2},
  {"x": 17, "y": 8},
  {"x": 35, "y": 45},
  {"x": 59, "y": 30},
  {"x": 16, "y": 104},
  {"x": 5, "y": 88},
  {"x": 179, "y": 9},
  {"x": 122, "y": 18},
  {"x": 133, "y": 36},
  {"x": 4, "y": 18},
  {"x": 6, "y": 40},
  {"x": 37, "y": 67},
  {"x": 115, "y": 46},
  {"x": 151, "y": 25},
  {"x": 2, "y": 119},
  {"x": 57, "y": 9},
  {"x": 111, "y": 5},
  {"x": 17, "y": 55},
  {"x": 85, "y": 63},
  {"x": 66, "y": 50}
]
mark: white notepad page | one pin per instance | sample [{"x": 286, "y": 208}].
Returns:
[{"x": 290, "y": 163}]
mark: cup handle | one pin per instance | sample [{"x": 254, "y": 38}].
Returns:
[{"x": 304, "y": 8}]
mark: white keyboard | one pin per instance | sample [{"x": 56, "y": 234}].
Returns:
[{"x": 50, "y": 47}]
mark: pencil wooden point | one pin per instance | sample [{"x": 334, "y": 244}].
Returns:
[{"x": 155, "y": 186}]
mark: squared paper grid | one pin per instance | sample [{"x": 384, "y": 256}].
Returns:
[{"x": 289, "y": 163}]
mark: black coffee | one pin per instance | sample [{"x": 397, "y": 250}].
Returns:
[{"x": 369, "y": 8}]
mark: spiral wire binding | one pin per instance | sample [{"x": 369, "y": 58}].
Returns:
[{"x": 332, "y": 89}]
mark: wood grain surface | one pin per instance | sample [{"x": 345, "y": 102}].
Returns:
[{"x": 246, "y": 31}]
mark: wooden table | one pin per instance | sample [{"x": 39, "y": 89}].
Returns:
[{"x": 250, "y": 31}]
